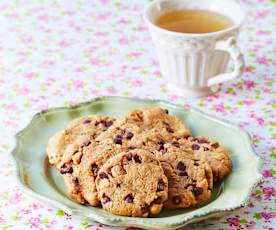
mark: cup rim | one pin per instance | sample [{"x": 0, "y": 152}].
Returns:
[{"x": 192, "y": 35}]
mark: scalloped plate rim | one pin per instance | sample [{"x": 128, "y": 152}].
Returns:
[{"x": 119, "y": 220}]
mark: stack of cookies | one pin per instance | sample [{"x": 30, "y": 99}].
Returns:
[{"x": 137, "y": 165}]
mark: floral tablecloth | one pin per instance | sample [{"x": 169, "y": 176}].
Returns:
[{"x": 56, "y": 53}]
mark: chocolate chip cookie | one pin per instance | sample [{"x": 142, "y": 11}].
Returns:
[
  {"x": 158, "y": 121},
  {"x": 217, "y": 156},
  {"x": 81, "y": 129},
  {"x": 132, "y": 183},
  {"x": 87, "y": 157},
  {"x": 190, "y": 179}
]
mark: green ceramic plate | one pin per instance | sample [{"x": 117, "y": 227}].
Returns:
[{"x": 42, "y": 182}]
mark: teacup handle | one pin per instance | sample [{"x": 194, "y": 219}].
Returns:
[{"x": 231, "y": 47}]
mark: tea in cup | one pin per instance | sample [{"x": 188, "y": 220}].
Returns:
[{"x": 194, "y": 40}]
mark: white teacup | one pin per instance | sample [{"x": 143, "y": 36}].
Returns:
[{"x": 193, "y": 63}]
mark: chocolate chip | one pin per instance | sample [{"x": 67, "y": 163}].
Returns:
[
  {"x": 132, "y": 147},
  {"x": 176, "y": 200},
  {"x": 66, "y": 168},
  {"x": 206, "y": 149},
  {"x": 108, "y": 123},
  {"x": 161, "y": 142},
  {"x": 183, "y": 173},
  {"x": 86, "y": 143},
  {"x": 105, "y": 199},
  {"x": 160, "y": 147},
  {"x": 158, "y": 201},
  {"x": 196, "y": 164},
  {"x": 137, "y": 159},
  {"x": 197, "y": 191},
  {"x": 102, "y": 176},
  {"x": 94, "y": 168},
  {"x": 129, "y": 198},
  {"x": 118, "y": 185},
  {"x": 176, "y": 144},
  {"x": 129, "y": 157},
  {"x": 215, "y": 144},
  {"x": 169, "y": 129},
  {"x": 145, "y": 209},
  {"x": 202, "y": 141},
  {"x": 123, "y": 131},
  {"x": 118, "y": 139},
  {"x": 181, "y": 166},
  {"x": 160, "y": 186},
  {"x": 86, "y": 122},
  {"x": 76, "y": 180},
  {"x": 195, "y": 147},
  {"x": 166, "y": 111},
  {"x": 129, "y": 135}
]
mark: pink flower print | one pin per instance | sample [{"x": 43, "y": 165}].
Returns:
[
  {"x": 249, "y": 69},
  {"x": 95, "y": 92},
  {"x": 267, "y": 90},
  {"x": 136, "y": 54},
  {"x": 43, "y": 107},
  {"x": 269, "y": 192},
  {"x": 173, "y": 97},
  {"x": 123, "y": 41},
  {"x": 123, "y": 21},
  {"x": 2, "y": 221},
  {"x": 104, "y": 2},
  {"x": 261, "y": 14},
  {"x": 248, "y": 102},
  {"x": 155, "y": 63},
  {"x": 69, "y": 13},
  {"x": 27, "y": 40},
  {"x": 95, "y": 61},
  {"x": 141, "y": 28},
  {"x": 78, "y": 84},
  {"x": 157, "y": 73},
  {"x": 24, "y": 90},
  {"x": 43, "y": 17},
  {"x": 64, "y": 44},
  {"x": 2, "y": 96},
  {"x": 249, "y": 84},
  {"x": 29, "y": 75},
  {"x": 260, "y": 122},
  {"x": 78, "y": 69},
  {"x": 100, "y": 33},
  {"x": 26, "y": 211},
  {"x": 34, "y": 222},
  {"x": 137, "y": 83},
  {"x": 35, "y": 206},
  {"x": 15, "y": 199},
  {"x": 262, "y": 32},
  {"x": 11, "y": 107},
  {"x": 233, "y": 222},
  {"x": 111, "y": 90},
  {"x": 219, "y": 108},
  {"x": 262, "y": 61},
  {"x": 268, "y": 215},
  {"x": 267, "y": 173},
  {"x": 48, "y": 63},
  {"x": 103, "y": 16},
  {"x": 70, "y": 228}
]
